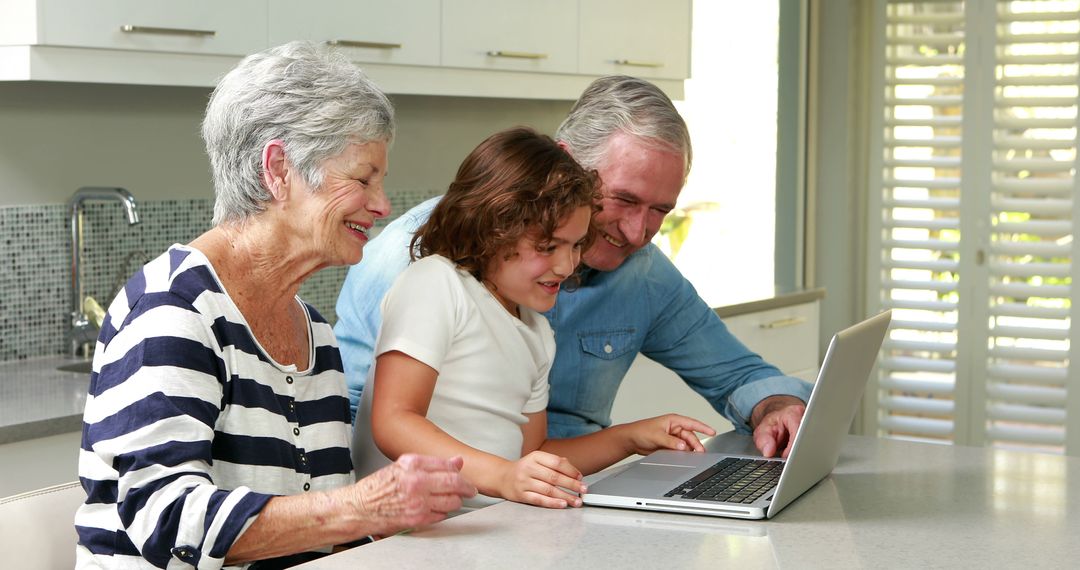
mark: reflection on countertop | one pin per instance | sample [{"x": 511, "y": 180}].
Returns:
[{"x": 37, "y": 400}]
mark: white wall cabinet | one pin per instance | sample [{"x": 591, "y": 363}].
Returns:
[
  {"x": 643, "y": 38},
  {"x": 236, "y": 27},
  {"x": 403, "y": 32},
  {"x": 786, "y": 337},
  {"x": 482, "y": 48},
  {"x": 517, "y": 35}
]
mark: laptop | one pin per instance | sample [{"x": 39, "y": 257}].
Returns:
[{"x": 749, "y": 487}]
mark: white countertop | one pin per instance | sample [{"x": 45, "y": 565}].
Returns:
[
  {"x": 888, "y": 504},
  {"x": 37, "y": 400}
]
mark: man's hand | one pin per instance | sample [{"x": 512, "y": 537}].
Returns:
[{"x": 775, "y": 420}]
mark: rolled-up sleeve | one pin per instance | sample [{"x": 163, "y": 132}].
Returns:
[{"x": 687, "y": 337}]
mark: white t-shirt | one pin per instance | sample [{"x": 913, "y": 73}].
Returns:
[{"x": 493, "y": 368}]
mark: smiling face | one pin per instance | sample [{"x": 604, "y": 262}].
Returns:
[
  {"x": 351, "y": 198},
  {"x": 535, "y": 269},
  {"x": 639, "y": 184}
]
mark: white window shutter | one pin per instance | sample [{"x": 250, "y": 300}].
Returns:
[
  {"x": 971, "y": 216},
  {"x": 917, "y": 210}
]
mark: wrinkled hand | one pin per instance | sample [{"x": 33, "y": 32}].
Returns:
[
  {"x": 542, "y": 479},
  {"x": 415, "y": 490},
  {"x": 775, "y": 422},
  {"x": 669, "y": 431}
]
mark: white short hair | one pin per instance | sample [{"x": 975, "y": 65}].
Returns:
[
  {"x": 623, "y": 104},
  {"x": 311, "y": 98}
]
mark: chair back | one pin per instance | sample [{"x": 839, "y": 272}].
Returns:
[{"x": 37, "y": 528}]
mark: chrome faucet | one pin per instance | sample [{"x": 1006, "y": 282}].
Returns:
[{"x": 83, "y": 331}]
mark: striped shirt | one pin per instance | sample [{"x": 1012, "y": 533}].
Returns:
[{"x": 190, "y": 427}]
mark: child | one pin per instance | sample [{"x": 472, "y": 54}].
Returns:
[{"x": 463, "y": 352}]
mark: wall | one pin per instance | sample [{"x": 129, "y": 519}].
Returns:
[
  {"x": 839, "y": 211},
  {"x": 56, "y": 137}
]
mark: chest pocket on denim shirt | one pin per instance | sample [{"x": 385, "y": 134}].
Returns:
[
  {"x": 606, "y": 356},
  {"x": 608, "y": 345}
]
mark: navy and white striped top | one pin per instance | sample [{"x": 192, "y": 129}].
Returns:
[{"x": 190, "y": 427}]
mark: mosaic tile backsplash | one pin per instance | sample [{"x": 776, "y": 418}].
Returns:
[{"x": 35, "y": 262}]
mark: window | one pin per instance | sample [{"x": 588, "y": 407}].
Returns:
[
  {"x": 721, "y": 235},
  {"x": 973, "y": 178}
]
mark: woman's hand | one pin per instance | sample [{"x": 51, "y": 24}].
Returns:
[
  {"x": 670, "y": 431},
  {"x": 542, "y": 479},
  {"x": 415, "y": 490}
]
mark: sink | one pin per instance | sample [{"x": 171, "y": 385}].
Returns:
[{"x": 83, "y": 367}]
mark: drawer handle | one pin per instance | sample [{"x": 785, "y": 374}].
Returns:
[
  {"x": 129, "y": 29},
  {"x": 782, "y": 323},
  {"x": 517, "y": 54},
  {"x": 638, "y": 63},
  {"x": 362, "y": 44}
]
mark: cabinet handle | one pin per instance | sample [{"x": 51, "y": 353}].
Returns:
[
  {"x": 782, "y": 323},
  {"x": 638, "y": 63},
  {"x": 129, "y": 29},
  {"x": 517, "y": 54},
  {"x": 362, "y": 44}
]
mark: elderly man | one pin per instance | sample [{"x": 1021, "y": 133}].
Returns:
[{"x": 631, "y": 298}]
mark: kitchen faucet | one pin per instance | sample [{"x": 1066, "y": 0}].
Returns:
[{"x": 82, "y": 329}]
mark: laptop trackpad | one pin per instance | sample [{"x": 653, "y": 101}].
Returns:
[{"x": 647, "y": 472}]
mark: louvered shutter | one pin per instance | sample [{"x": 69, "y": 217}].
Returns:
[{"x": 972, "y": 178}]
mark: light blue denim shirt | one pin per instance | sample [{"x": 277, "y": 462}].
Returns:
[{"x": 645, "y": 305}]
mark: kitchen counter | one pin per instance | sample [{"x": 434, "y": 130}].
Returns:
[
  {"x": 888, "y": 504},
  {"x": 784, "y": 299},
  {"x": 37, "y": 400}
]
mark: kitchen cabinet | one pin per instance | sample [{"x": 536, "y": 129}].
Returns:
[
  {"x": 517, "y": 35},
  {"x": 40, "y": 462},
  {"x": 404, "y": 32},
  {"x": 643, "y": 38},
  {"x": 236, "y": 27},
  {"x": 473, "y": 48},
  {"x": 785, "y": 335}
]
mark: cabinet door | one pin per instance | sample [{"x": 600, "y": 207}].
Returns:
[
  {"x": 236, "y": 27},
  {"x": 785, "y": 337},
  {"x": 376, "y": 31},
  {"x": 519, "y": 35},
  {"x": 643, "y": 38},
  {"x": 649, "y": 390}
]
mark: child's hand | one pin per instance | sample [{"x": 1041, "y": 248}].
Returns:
[
  {"x": 541, "y": 479},
  {"x": 670, "y": 431}
]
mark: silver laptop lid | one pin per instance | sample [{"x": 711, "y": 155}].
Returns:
[{"x": 844, "y": 373}]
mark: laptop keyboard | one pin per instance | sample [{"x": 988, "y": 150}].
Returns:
[{"x": 732, "y": 480}]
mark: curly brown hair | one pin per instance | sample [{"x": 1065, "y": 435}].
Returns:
[{"x": 517, "y": 183}]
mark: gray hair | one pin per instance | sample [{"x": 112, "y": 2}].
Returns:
[
  {"x": 311, "y": 98},
  {"x": 619, "y": 103}
]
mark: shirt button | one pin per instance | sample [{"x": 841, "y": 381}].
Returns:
[
  {"x": 288, "y": 379},
  {"x": 608, "y": 349},
  {"x": 303, "y": 459},
  {"x": 307, "y": 486},
  {"x": 296, "y": 431},
  {"x": 292, "y": 406}
]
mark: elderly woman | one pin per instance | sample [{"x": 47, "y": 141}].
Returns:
[{"x": 217, "y": 429}]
